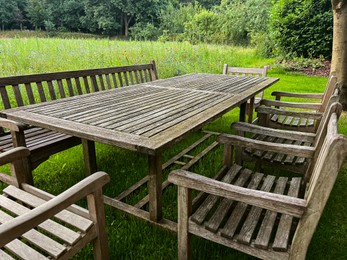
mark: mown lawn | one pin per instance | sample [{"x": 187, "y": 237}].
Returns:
[{"x": 128, "y": 237}]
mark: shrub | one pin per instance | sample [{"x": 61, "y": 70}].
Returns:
[{"x": 302, "y": 28}]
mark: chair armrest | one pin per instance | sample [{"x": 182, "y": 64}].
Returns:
[
  {"x": 21, "y": 224},
  {"x": 13, "y": 155},
  {"x": 278, "y": 111},
  {"x": 290, "y": 149},
  {"x": 277, "y": 103},
  {"x": 279, "y": 94},
  {"x": 275, "y": 202},
  {"x": 255, "y": 129},
  {"x": 11, "y": 125}
]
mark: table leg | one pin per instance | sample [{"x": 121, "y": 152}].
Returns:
[
  {"x": 89, "y": 157},
  {"x": 154, "y": 187},
  {"x": 242, "y": 117},
  {"x": 250, "y": 110}
]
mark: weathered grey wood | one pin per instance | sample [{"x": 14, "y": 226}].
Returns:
[
  {"x": 253, "y": 102},
  {"x": 147, "y": 117},
  {"x": 267, "y": 237},
  {"x": 268, "y": 223},
  {"x": 252, "y": 219},
  {"x": 282, "y": 235},
  {"x": 66, "y": 216},
  {"x": 215, "y": 221},
  {"x": 154, "y": 187},
  {"x": 289, "y": 161},
  {"x": 302, "y": 121},
  {"x": 185, "y": 198},
  {"x": 233, "y": 222},
  {"x": 53, "y": 86},
  {"x": 34, "y": 211},
  {"x": 199, "y": 215}
]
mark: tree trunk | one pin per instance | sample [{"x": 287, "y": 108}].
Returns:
[
  {"x": 127, "y": 21},
  {"x": 339, "y": 55}
]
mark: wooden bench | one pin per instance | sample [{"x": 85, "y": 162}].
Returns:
[
  {"x": 24, "y": 90},
  {"x": 293, "y": 115},
  {"x": 255, "y": 72},
  {"x": 266, "y": 216},
  {"x": 37, "y": 225}
]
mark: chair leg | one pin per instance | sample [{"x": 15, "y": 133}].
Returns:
[
  {"x": 97, "y": 213},
  {"x": 184, "y": 211}
]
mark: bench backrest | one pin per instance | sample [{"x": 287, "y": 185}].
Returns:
[{"x": 36, "y": 88}]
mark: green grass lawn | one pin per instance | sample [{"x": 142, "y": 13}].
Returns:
[{"x": 128, "y": 237}]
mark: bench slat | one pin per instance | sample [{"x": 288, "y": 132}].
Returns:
[
  {"x": 41, "y": 91},
  {"x": 69, "y": 87},
  {"x": 51, "y": 90},
  {"x": 86, "y": 84},
  {"x": 18, "y": 95},
  {"x": 30, "y": 93}
]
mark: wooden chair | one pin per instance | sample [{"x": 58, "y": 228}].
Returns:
[
  {"x": 293, "y": 115},
  {"x": 291, "y": 163},
  {"x": 256, "y": 72},
  {"x": 37, "y": 225},
  {"x": 262, "y": 215}
]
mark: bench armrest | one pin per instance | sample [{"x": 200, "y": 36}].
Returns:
[
  {"x": 278, "y": 111},
  {"x": 277, "y": 103},
  {"x": 290, "y": 149},
  {"x": 275, "y": 202},
  {"x": 279, "y": 94},
  {"x": 255, "y": 129},
  {"x": 21, "y": 224}
]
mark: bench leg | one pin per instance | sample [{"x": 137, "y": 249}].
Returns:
[{"x": 89, "y": 157}]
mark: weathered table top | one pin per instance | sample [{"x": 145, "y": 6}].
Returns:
[{"x": 145, "y": 117}]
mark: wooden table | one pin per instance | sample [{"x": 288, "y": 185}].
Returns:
[{"x": 146, "y": 118}]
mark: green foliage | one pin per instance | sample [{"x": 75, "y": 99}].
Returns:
[
  {"x": 240, "y": 20},
  {"x": 174, "y": 18},
  {"x": 202, "y": 28},
  {"x": 303, "y": 28},
  {"x": 38, "y": 12},
  {"x": 144, "y": 31}
]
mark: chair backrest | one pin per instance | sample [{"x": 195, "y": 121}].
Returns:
[
  {"x": 330, "y": 89},
  {"x": 334, "y": 109},
  {"x": 331, "y": 156},
  {"x": 238, "y": 71}
]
